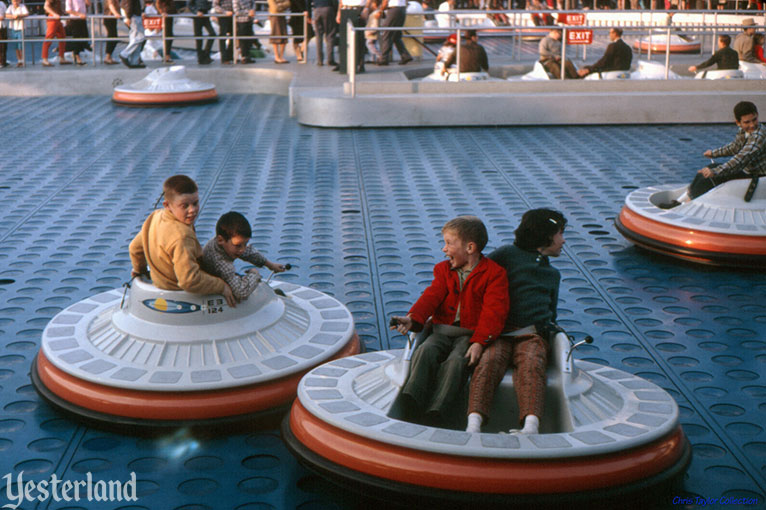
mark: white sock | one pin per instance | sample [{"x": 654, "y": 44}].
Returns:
[
  {"x": 683, "y": 198},
  {"x": 474, "y": 423},
  {"x": 531, "y": 424}
]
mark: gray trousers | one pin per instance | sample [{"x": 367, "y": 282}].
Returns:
[
  {"x": 395, "y": 17},
  {"x": 439, "y": 369},
  {"x": 325, "y": 28}
]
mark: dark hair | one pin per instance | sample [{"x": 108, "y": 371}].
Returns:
[
  {"x": 758, "y": 38},
  {"x": 178, "y": 185},
  {"x": 537, "y": 228},
  {"x": 233, "y": 224},
  {"x": 725, "y": 38},
  {"x": 617, "y": 30},
  {"x": 469, "y": 229},
  {"x": 470, "y": 33},
  {"x": 744, "y": 108}
]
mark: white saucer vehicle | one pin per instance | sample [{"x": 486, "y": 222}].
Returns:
[
  {"x": 753, "y": 71},
  {"x": 452, "y": 76},
  {"x": 538, "y": 73},
  {"x": 160, "y": 358},
  {"x": 165, "y": 86},
  {"x": 605, "y": 434},
  {"x": 659, "y": 41},
  {"x": 720, "y": 74},
  {"x": 718, "y": 228}
]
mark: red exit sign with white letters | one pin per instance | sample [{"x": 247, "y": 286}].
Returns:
[
  {"x": 572, "y": 18},
  {"x": 580, "y": 36}
]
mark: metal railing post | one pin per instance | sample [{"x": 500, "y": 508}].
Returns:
[
  {"x": 164, "y": 20},
  {"x": 351, "y": 57},
  {"x": 93, "y": 37},
  {"x": 563, "y": 52},
  {"x": 23, "y": 41},
  {"x": 667, "y": 54},
  {"x": 234, "y": 42},
  {"x": 649, "y": 47},
  {"x": 305, "y": 37},
  {"x": 457, "y": 55}
]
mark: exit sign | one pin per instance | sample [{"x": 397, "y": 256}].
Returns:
[
  {"x": 580, "y": 36},
  {"x": 572, "y": 18}
]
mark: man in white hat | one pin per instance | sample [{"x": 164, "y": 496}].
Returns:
[{"x": 743, "y": 43}]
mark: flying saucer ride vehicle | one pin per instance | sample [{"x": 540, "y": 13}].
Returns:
[
  {"x": 605, "y": 434},
  {"x": 157, "y": 359},
  {"x": 166, "y": 86},
  {"x": 717, "y": 228}
]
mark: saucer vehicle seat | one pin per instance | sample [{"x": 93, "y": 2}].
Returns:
[
  {"x": 717, "y": 228},
  {"x": 720, "y": 74},
  {"x": 753, "y": 71},
  {"x": 168, "y": 358},
  {"x": 605, "y": 433},
  {"x": 609, "y": 75}
]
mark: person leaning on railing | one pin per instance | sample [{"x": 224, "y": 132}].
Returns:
[
  {"x": 244, "y": 11},
  {"x": 54, "y": 30},
  {"x": 3, "y": 35},
  {"x": 131, "y": 16},
  {"x": 16, "y": 14},
  {"x": 111, "y": 15},
  {"x": 167, "y": 8},
  {"x": 225, "y": 11},
  {"x": 78, "y": 27},
  {"x": 278, "y": 29},
  {"x": 325, "y": 28},
  {"x": 201, "y": 20}
]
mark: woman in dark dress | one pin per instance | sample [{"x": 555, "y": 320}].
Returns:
[{"x": 298, "y": 10}]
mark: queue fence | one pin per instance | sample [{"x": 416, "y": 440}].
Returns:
[
  {"x": 658, "y": 22},
  {"x": 96, "y": 26}
]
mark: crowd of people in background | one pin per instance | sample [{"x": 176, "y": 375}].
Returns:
[{"x": 150, "y": 23}]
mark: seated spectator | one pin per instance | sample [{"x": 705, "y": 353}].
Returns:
[
  {"x": 743, "y": 43},
  {"x": 467, "y": 302},
  {"x": 617, "y": 56},
  {"x": 725, "y": 57},
  {"x": 758, "y": 48},
  {"x": 539, "y": 19},
  {"x": 747, "y": 151},
  {"x": 233, "y": 232},
  {"x": 473, "y": 57},
  {"x": 550, "y": 56},
  {"x": 447, "y": 49}
]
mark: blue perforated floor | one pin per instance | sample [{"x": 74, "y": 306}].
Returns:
[{"x": 358, "y": 215}]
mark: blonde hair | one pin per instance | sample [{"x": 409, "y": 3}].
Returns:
[{"x": 469, "y": 229}]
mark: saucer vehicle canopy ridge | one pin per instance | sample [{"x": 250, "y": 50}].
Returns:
[
  {"x": 605, "y": 433},
  {"x": 164, "y": 358}
]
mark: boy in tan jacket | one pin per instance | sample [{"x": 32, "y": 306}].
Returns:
[{"x": 168, "y": 244}]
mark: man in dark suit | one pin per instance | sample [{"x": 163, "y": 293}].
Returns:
[
  {"x": 617, "y": 56},
  {"x": 725, "y": 57}
]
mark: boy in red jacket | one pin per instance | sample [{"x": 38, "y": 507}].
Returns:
[{"x": 467, "y": 303}]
